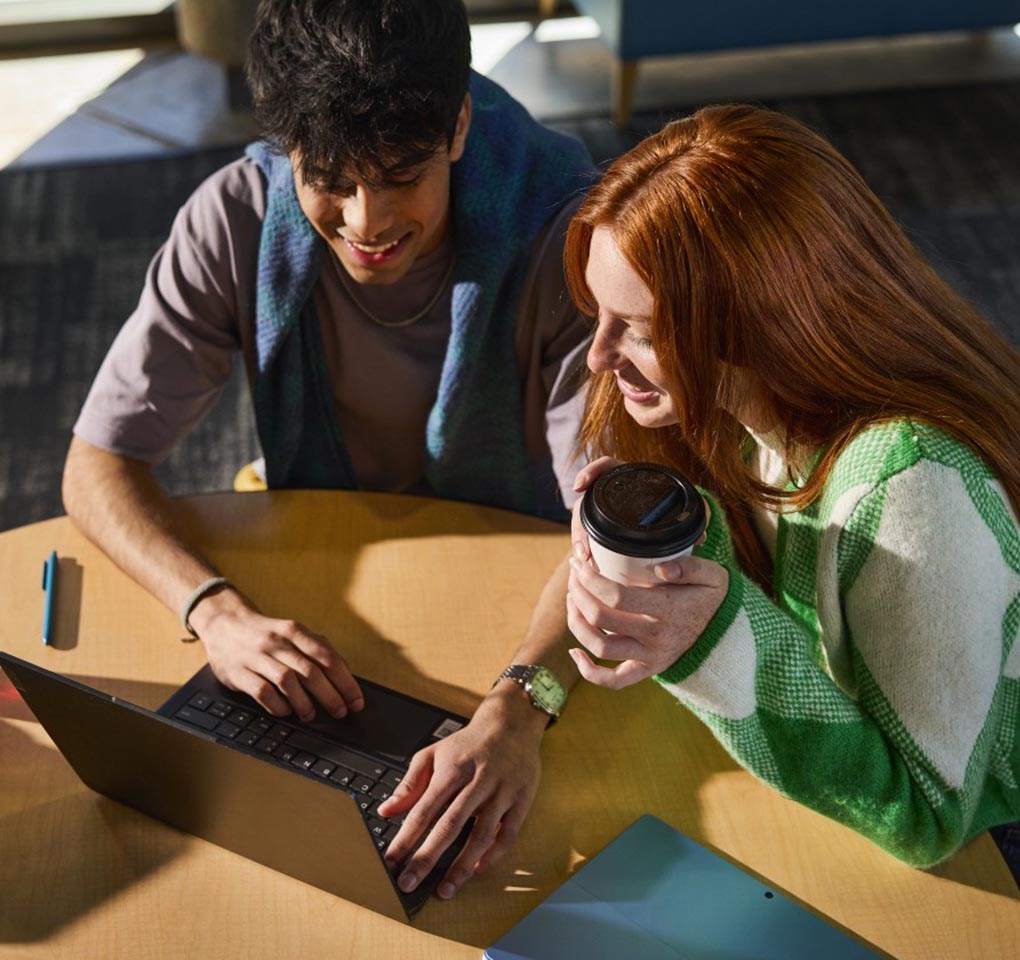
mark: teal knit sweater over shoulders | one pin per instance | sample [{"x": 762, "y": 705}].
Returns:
[{"x": 880, "y": 684}]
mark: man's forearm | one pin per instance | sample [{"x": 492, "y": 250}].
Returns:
[
  {"x": 118, "y": 504},
  {"x": 121, "y": 507}
]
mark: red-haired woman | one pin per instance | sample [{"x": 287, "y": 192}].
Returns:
[{"x": 848, "y": 630}]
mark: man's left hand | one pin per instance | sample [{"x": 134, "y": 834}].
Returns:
[{"x": 489, "y": 771}]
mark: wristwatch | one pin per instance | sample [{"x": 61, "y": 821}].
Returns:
[{"x": 541, "y": 686}]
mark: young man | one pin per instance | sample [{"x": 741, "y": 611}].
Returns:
[{"x": 388, "y": 265}]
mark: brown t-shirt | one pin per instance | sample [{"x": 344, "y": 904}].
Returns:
[{"x": 174, "y": 355}]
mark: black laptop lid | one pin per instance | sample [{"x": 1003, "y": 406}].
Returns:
[{"x": 189, "y": 780}]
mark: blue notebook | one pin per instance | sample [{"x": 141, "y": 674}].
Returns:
[{"x": 654, "y": 894}]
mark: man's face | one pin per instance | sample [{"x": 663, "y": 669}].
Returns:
[{"x": 378, "y": 232}]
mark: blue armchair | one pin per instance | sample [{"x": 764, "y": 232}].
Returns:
[{"x": 634, "y": 29}]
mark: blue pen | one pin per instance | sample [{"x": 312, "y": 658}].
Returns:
[{"x": 49, "y": 583}]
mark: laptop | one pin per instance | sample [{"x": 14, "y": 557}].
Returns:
[
  {"x": 654, "y": 893},
  {"x": 301, "y": 798}
]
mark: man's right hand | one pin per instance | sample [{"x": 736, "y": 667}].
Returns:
[{"x": 280, "y": 663}]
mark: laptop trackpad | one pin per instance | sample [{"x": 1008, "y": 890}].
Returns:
[{"x": 391, "y": 725}]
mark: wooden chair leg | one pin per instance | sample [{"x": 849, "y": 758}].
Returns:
[
  {"x": 546, "y": 8},
  {"x": 624, "y": 77}
]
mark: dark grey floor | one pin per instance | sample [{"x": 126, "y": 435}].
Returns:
[
  {"x": 75, "y": 242},
  {"x": 74, "y": 246}
]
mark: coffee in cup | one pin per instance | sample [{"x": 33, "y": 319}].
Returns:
[{"x": 638, "y": 515}]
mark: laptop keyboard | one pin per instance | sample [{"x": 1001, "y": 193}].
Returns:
[{"x": 258, "y": 733}]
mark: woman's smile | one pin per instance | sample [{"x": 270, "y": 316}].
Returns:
[{"x": 635, "y": 392}]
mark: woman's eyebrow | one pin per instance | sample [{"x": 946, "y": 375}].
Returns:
[{"x": 630, "y": 317}]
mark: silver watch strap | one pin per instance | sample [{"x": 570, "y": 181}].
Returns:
[{"x": 521, "y": 673}]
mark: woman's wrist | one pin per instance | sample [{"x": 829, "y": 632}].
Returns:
[{"x": 687, "y": 662}]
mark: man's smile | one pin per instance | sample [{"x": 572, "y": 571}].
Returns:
[{"x": 373, "y": 254}]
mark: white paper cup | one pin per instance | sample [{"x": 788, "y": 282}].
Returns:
[
  {"x": 624, "y": 569},
  {"x": 639, "y": 515}
]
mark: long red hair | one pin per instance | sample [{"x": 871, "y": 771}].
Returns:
[{"x": 763, "y": 248}]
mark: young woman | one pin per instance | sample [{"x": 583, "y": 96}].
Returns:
[{"x": 848, "y": 630}]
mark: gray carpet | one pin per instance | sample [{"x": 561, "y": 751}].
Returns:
[{"x": 75, "y": 242}]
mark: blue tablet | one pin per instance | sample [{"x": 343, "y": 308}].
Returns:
[{"x": 655, "y": 894}]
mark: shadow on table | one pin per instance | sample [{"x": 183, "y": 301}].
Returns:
[
  {"x": 67, "y": 612},
  {"x": 960, "y": 870},
  {"x": 64, "y": 857}
]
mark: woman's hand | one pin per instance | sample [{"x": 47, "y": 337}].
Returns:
[
  {"x": 646, "y": 628},
  {"x": 584, "y": 479}
]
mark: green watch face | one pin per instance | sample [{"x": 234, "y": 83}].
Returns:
[{"x": 545, "y": 689}]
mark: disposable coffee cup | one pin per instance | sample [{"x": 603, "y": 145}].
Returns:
[{"x": 638, "y": 515}]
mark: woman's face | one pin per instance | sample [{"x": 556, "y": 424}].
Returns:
[{"x": 622, "y": 343}]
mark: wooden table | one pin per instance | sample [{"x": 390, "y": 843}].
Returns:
[{"x": 429, "y": 597}]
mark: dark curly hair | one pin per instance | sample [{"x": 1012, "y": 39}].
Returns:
[{"x": 371, "y": 87}]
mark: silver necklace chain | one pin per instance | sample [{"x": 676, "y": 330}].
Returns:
[{"x": 433, "y": 300}]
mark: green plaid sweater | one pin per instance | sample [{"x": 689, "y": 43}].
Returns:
[{"x": 880, "y": 684}]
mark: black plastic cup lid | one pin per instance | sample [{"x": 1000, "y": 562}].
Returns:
[{"x": 643, "y": 510}]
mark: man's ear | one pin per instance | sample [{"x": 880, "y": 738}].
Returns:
[{"x": 461, "y": 130}]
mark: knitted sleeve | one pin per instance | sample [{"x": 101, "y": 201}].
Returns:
[{"x": 887, "y": 707}]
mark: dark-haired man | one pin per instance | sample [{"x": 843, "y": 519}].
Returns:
[{"x": 388, "y": 265}]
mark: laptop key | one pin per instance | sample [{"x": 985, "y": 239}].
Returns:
[
  {"x": 242, "y": 717},
  {"x": 377, "y": 827},
  {"x": 380, "y": 791},
  {"x": 247, "y": 738},
  {"x": 323, "y": 768},
  {"x": 364, "y": 802},
  {"x": 220, "y": 709},
  {"x": 200, "y": 701},
  {"x": 196, "y": 718},
  {"x": 227, "y": 729},
  {"x": 343, "y": 776},
  {"x": 265, "y": 745},
  {"x": 285, "y": 752},
  {"x": 279, "y": 732},
  {"x": 305, "y": 761},
  {"x": 362, "y": 784},
  {"x": 391, "y": 831},
  {"x": 262, "y": 725},
  {"x": 338, "y": 754},
  {"x": 392, "y": 778}
]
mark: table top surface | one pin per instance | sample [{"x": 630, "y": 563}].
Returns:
[{"x": 429, "y": 597}]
